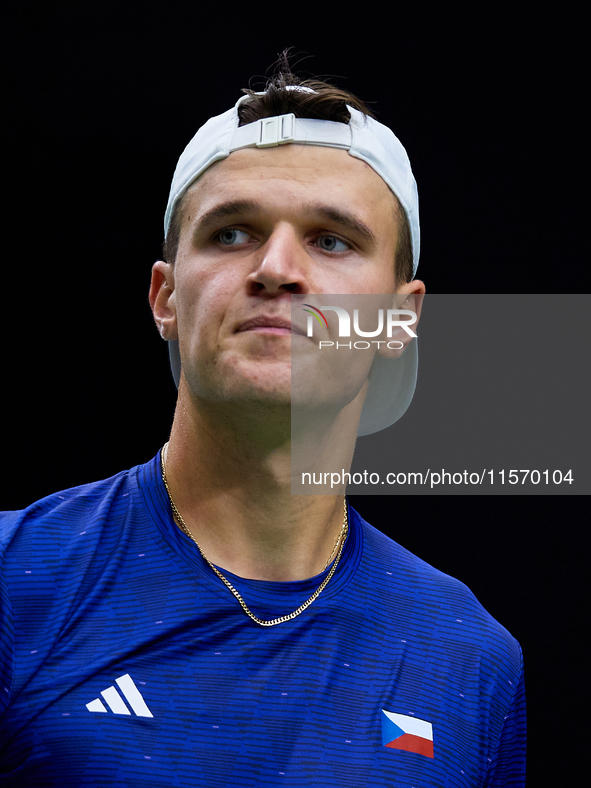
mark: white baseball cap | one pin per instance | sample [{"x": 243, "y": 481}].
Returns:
[{"x": 392, "y": 381}]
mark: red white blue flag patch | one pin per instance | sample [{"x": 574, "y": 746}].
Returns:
[{"x": 401, "y": 732}]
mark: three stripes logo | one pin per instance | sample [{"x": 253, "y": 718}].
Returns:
[{"x": 116, "y": 703}]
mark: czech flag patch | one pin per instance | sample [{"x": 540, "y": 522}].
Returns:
[{"x": 400, "y": 732}]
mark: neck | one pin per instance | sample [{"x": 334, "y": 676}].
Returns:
[{"x": 230, "y": 476}]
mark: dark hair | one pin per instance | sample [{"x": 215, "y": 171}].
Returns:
[{"x": 326, "y": 103}]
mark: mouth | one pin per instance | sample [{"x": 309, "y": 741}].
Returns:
[{"x": 269, "y": 325}]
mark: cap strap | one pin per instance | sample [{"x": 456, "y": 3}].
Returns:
[{"x": 283, "y": 129}]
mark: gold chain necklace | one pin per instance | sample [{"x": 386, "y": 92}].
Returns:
[{"x": 270, "y": 623}]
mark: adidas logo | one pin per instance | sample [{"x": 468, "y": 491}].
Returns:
[{"x": 116, "y": 703}]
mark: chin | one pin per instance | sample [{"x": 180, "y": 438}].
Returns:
[{"x": 260, "y": 386}]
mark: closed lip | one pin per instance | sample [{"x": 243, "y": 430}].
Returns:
[{"x": 266, "y": 321}]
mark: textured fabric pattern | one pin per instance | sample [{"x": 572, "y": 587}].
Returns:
[{"x": 124, "y": 661}]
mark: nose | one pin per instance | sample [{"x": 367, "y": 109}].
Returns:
[{"x": 281, "y": 265}]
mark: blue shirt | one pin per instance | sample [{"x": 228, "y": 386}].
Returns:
[{"x": 125, "y": 661}]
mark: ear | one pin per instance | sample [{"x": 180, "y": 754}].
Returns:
[
  {"x": 410, "y": 298},
  {"x": 162, "y": 299}
]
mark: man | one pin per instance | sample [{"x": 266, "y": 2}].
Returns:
[{"x": 191, "y": 622}]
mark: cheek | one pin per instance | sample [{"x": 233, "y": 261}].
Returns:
[
  {"x": 374, "y": 278},
  {"x": 387, "y": 278},
  {"x": 203, "y": 299},
  {"x": 384, "y": 275}
]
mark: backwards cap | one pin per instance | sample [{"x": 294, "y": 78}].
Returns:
[
  {"x": 364, "y": 138},
  {"x": 392, "y": 382}
]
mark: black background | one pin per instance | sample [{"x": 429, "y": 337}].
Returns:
[{"x": 100, "y": 99}]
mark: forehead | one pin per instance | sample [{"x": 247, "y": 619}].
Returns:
[{"x": 295, "y": 172}]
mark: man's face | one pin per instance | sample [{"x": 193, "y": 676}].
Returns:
[{"x": 260, "y": 226}]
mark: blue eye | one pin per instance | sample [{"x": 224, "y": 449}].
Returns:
[
  {"x": 231, "y": 237},
  {"x": 330, "y": 243}
]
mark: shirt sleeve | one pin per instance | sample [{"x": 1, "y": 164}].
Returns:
[
  {"x": 507, "y": 768},
  {"x": 6, "y": 635}
]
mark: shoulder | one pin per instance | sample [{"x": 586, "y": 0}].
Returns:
[
  {"x": 53, "y": 555},
  {"x": 56, "y": 551},
  {"x": 389, "y": 558},
  {"x": 55, "y": 520},
  {"x": 441, "y": 606}
]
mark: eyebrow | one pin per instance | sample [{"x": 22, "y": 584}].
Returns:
[
  {"x": 344, "y": 219},
  {"x": 329, "y": 213},
  {"x": 224, "y": 211}
]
